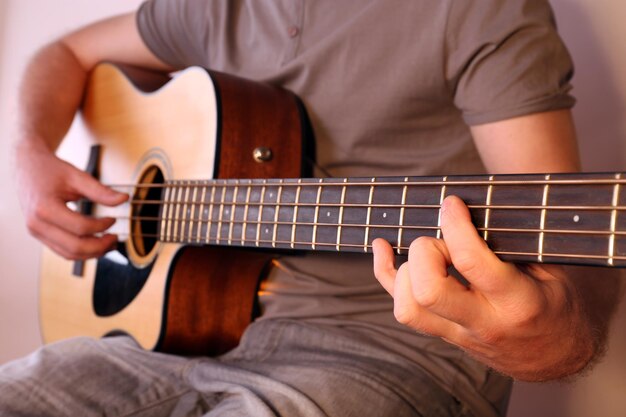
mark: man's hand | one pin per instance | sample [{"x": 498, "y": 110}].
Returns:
[
  {"x": 45, "y": 185},
  {"x": 527, "y": 322},
  {"x": 51, "y": 92}
]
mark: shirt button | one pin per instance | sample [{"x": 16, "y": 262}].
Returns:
[{"x": 293, "y": 31}]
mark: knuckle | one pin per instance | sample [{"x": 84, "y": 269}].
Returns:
[
  {"x": 42, "y": 211},
  {"x": 491, "y": 336},
  {"x": 527, "y": 314},
  {"x": 404, "y": 315},
  {"x": 466, "y": 262},
  {"x": 429, "y": 296}
]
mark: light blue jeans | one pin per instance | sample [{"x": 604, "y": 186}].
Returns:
[{"x": 281, "y": 368}]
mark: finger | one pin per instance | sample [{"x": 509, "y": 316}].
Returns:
[
  {"x": 409, "y": 312},
  {"x": 384, "y": 264},
  {"x": 73, "y": 247},
  {"x": 58, "y": 214},
  {"x": 470, "y": 254},
  {"x": 89, "y": 187},
  {"x": 436, "y": 290}
]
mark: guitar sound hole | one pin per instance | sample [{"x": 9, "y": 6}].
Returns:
[{"x": 146, "y": 211}]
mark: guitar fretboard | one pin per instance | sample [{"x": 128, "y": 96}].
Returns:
[{"x": 564, "y": 218}]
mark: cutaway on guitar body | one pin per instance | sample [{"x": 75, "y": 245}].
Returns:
[{"x": 152, "y": 130}]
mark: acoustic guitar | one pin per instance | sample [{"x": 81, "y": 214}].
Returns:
[{"x": 214, "y": 167}]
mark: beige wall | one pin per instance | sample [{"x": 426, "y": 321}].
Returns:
[{"x": 595, "y": 33}]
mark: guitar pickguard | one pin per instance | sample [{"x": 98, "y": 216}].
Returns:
[{"x": 117, "y": 282}]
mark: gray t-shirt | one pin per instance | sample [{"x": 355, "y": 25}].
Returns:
[{"x": 390, "y": 87}]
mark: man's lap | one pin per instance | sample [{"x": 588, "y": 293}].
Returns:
[{"x": 281, "y": 367}]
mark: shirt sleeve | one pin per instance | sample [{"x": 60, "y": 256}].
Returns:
[
  {"x": 505, "y": 59},
  {"x": 174, "y": 30}
]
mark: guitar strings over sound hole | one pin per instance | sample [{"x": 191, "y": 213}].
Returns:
[{"x": 146, "y": 210}]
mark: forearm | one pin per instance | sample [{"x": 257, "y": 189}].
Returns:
[
  {"x": 53, "y": 84},
  {"x": 50, "y": 93}
]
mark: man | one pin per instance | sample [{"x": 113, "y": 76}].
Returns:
[{"x": 391, "y": 89}]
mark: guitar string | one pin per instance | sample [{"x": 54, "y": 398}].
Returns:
[
  {"x": 304, "y": 245},
  {"x": 279, "y": 183},
  {"x": 314, "y": 182},
  {"x": 226, "y": 223},
  {"x": 367, "y": 205}
]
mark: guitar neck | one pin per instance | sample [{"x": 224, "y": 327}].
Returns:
[{"x": 559, "y": 218}]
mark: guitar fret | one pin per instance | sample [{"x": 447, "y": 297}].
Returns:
[
  {"x": 317, "y": 212},
  {"x": 185, "y": 223},
  {"x": 201, "y": 214},
  {"x": 192, "y": 211},
  {"x": 164, "y": 211},
  {"x": 258, "y": 226},
  {"x": 245, "y": 215},
  {"x": 369, "y": 214},
  {"x": 488, "y": 209},
  {"x": 295, "y": 213},
  {"x": 441, "y": 198},
  {"x": 401, "y": 222},
  {"x": 232, "y": 213},
  {"x": 210, "y": 219},
  {"x": 176, "y": 219},
  {"x": 614, "y": 203},
  {"x": 280, "y": 191},
  {"x": 340, "y": 218},
  {"x": 170, "y": 208},
  {"x": 219, "y": 216},
  {"x": 542, "y": 223}
]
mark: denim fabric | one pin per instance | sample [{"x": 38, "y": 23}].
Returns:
[{"x": 281, "y": 368}]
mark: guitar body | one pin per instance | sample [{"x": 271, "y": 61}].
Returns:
[{"x": 199, "y": 125}]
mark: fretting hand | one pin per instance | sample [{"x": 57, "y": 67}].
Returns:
[{"x": 526, "y": 322}]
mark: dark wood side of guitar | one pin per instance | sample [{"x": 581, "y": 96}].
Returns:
[{"x": 212, "y": 290}]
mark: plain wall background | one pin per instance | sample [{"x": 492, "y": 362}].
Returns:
[{"x": 595, "y": 33}]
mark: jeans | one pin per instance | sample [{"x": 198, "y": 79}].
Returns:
[{"x": 281, "y": 368}]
